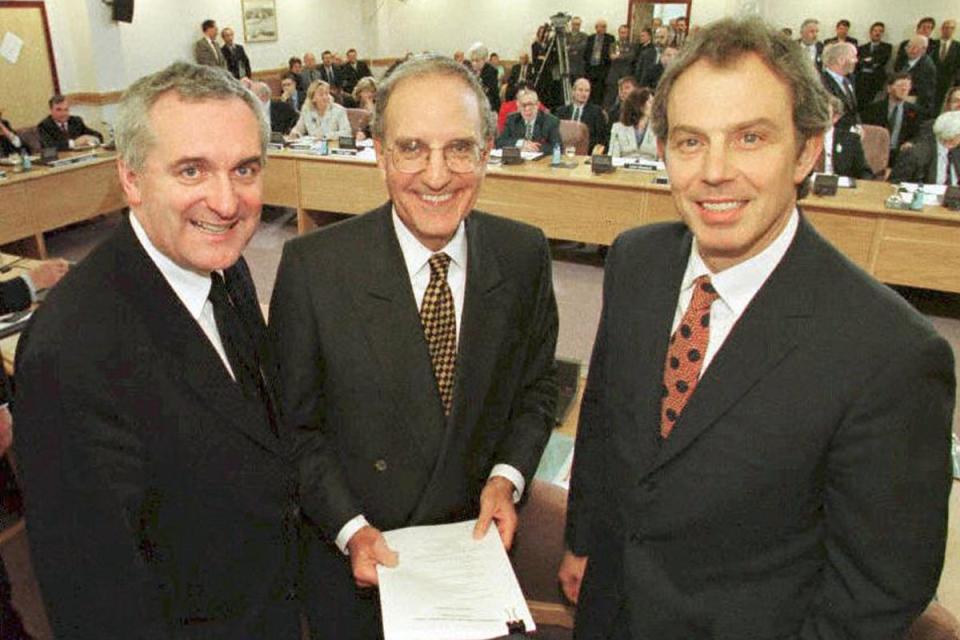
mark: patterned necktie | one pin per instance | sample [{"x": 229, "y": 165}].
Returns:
[
  {"x": 576, "y": 113},
  {"x": 439, "y": 321},
  {"x": 528, "y": 132},
  {"x": 688, "y": 345},
  {"x": 851, "y": 96},
  {"x": 63, "y": 127}
]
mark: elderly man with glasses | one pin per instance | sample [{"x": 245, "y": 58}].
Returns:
[{"x": 417, "y": 348}]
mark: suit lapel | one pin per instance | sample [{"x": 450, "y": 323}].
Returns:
[
  {"x": 392, "y": 324},
  {"x": 179, "y": 340},
  {"x": 768, "y": 330}
]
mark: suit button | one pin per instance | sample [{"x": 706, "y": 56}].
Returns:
[{"x": 380, "y": 465}]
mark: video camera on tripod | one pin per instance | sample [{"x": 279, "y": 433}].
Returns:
[{"x": 556, "y": 35}]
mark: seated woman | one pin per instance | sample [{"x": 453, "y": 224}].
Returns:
[
  {"x": 364, "y": 97},
  {"x": 632, "y": 137},
  {"x": 321, "y": 117}
]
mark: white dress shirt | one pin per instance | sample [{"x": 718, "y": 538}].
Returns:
[
  {"x": 736, "y": 287},
  {"x": 192, "y": 288},
  {"x": 943, "y": 166},
  {"x": 416, "y": 257}
]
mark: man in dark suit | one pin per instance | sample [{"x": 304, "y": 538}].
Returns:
[
  {"x": 63, "y": 131},
  {"x": 596, "y": 59},
  {"x": 809, "y": 30},
  {"x": 843, "y": 34},
  {"x": 582, "y": 110},
  {"x": 529, "y": 128},
  {"x": 328, "y": 70},
  {"x": 842, "y": 148},
  {"x": 946, "y": 56},
  {"x": 10, "y": 142},
  {"x": 647, "y": 54},
  {"x": 871, "y": 69},
  {"x": 898, "y": 116},
  {"x": 205, "y": 50},
  {"x": 477, "y": 55},
  {"x": 238, "y": 64},
  {"x": 839, "y": 61},
  {"x": 924, "y": 28},
  {"x": 923, "y": 74},
  {"x": 281, "y": 115},
  {"x": 408, "y": 418},
  {"x": 651, "y": 75},
  {"x": 522, "y": 72},
  {"x": 932, "y": 159},
  {"x": 352, "y": 70},
  {"x": 159, "y": 483},
  {"x": 747, "y": 382},
  {"x": 626, "y": 85}
]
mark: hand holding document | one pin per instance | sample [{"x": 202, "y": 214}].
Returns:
[{"x": 449, "y": 586}]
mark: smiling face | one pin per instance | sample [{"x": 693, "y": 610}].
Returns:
[
  {"x": 434, "y": 111},
  {"x": 60, "y": 111},
  {"x": 734, "y": 171},
  {"x": 581, "y": 91},
  {"x": 197, "y": 198},
  {"x": 321, "y": 98}
]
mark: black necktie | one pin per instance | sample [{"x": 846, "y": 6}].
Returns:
[{"x": 238, "y": 344}]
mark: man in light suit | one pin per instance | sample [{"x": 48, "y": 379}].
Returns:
[
  {"x": 405, "y": 418},
  {"x": 64, "y": 131},
  {"x": 205, "y": 50},
  {"x": 238, "y": 64},
  {"x": 159, "y": 484},
  {"x": 529, "y": 128},
  {"x": 763, "y": 448}
]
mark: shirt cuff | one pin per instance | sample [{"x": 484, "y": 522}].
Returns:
[
  {"x": 510, "y": 473},
  {"x": 71, "y": 143},
  {"x": 29, "y": 282},
  {"x": 346, "y": 532},
  {"x": 520, "y": 143}
]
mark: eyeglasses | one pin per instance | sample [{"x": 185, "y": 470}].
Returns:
[{"x": 413, "y": 156}]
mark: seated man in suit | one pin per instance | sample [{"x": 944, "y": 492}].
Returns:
[
  {"x": 156, "y": 473},
  {"x": 873, "y": 57},
  {"x": 934, "y": 159},
  {"x": 924, "y": 28},
  {"x": 238, "y": 64},
  {"x": 530, "y": 129},
  {"x": 923, "y": 74},
  {"x": 206, "y": 50},
  {"x": 408, "y": 417},
  {"x": 352, "y": 71},
  {"x": 842, "y": 148},
  {"x": 763, "y": 447},
  {"x": 330, "y": 73},
  {"x": 626, "y": 85},
  {"x": 582, "y": 110},
  {"x": 280, "y": 115},
  {"x": 900, "y": 117},
  {"x": 64, "y": 131}
]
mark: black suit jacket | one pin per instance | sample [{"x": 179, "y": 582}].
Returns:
[
  {"x": 924, "y": 77},
  {"x": 350, "y": 76},
  {"x": 871, "y": 71},
  {"x": 491, "y": 86},
  {"x": 834, "y": 39},
  {"x": 948, "y": 71},
  {"x": 52, "y": 135},
  {"x": 646, "y": 58},
  {"x": 334, "y": 79},
  {"x": 877, "y": 114},
  {"x": 651, "y": 75},
  {"x": 594, "y": 71},
  {"x": 763, "y": 514},
  {"x": 850, "y": 114},
  {"x": 848, "y": 157},
  {"x": 282, "y": 116},
  {"x": 546, "y": 131},
  {"x": 234, "y": 58},
  {"x": 592, "y": 116},
  {"x": 160, "y": 503},
  {"x": 919, "y": 163},
  {"x": 359, "y": 389},
  {"x": 514, "y": 78},
  {"x": 6, "y": 147}
]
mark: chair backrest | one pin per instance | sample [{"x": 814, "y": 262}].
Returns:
[
  {"x": 30, "y": 137},
  {"x": 876, "y": 148},
  {"x": 359, "y": 119},
  {"x": 576, "y": 134}
]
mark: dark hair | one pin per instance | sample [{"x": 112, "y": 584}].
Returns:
[
  {"x": 292, "y": 61},
  {"x": 56, "y": 99},
  {"x": 631, "y": 111},
  {"x": 878, "y": 24},
  {"x": 724, "y": 43},
  {"x": 288, "y": 76},
  {"x": 843, "y": 23},
  {"x": 946, "y": 97},
  {"x": 326, "y": 53},
  {"x": 898, "y": 75},
  {"x": 926, "y": 19},
  {"x": 349, "y": 50},
  {"x": 206, "y": 24},
  {"x": 627, "y": 79},
  {"x": 648, "y": 31}
]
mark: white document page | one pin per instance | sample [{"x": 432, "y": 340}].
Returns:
[{"x": 448, "y": 586}]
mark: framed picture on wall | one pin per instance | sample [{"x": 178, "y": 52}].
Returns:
[{"x": 259, "y": 20}]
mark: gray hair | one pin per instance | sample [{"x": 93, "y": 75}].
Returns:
[
  {"x": 947, "y": 126},
  {"x": 724, "y": 43},
  {"x": 836, "y": 51},
  {"x": 192, "y": 83},
  {"x": 478, "y": 50},
  {"x": 262, "y": 90},
  {"x": 808, "y": 22},
  {"x": 425, "y": 65}
]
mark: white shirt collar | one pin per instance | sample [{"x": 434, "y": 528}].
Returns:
[
  {"x": 740, "y": 283},
  {"x": 415, "y": 255},
  {"x": 192, "y": 288}
]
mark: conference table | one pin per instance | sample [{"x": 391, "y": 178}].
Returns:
[{"x": 920, "y": 249}]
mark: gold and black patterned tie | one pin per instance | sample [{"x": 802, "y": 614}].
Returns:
[{"x": 439, "y": 321}]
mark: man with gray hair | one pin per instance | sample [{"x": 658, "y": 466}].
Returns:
[
  {"x": 809, "y": 30},
  {"x": 747, "y": 384},
  {"x": 280, "y": 115},
  {"x": 933, "y": 160},
  {"x": 923, "y": 74},
  {"x": 416, "y": 348},
  {"x": 158, "y": 481},
  {"x": 478, "y": 55},
  {"x": 839, "y": 61}
]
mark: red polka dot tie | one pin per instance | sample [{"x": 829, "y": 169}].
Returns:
[
  {"x": 439, "y": 321},
  {"x": 688, "y": 346}
]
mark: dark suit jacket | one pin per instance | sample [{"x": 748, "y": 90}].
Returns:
[
  {"x": 763, "y": 515},
  {"x": 848, "y": 157},
  {"x": 850, "y": 115},
  {"x": 333, "y": 79},
  {"x": 52, "y": 136},
  {"x": 877, "y": 114},
  {"x": 6, "y": 147},
  {"x": 514, "y": 78},
  {"x": 159, "y": 500},
  {"x": 598, "y": 72},
  {"x": 947, "y": 71},
  {"x": 593, "y": 117},
  {"x": 919, "y": 163},
  {"x": 282, "y": 116},
  {"x": 546, "y": 131},
  {"x": 350, "y": 76},
  {"x": 491, "y": 85},
  {"x": 359, "y": 390},
  {"x": 818, "y": 63},
  {"x": 234, "y": 58},
  {"x": 646, "y": 58},
  {"x": 924, "y": 76},
  {"x": 871, "y": 71},
  {"x": 651, "y": 75},
  {"x": 833, "y": 39}
]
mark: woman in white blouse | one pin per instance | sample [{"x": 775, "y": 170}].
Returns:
[
  {"x": 321, "y": 117},
  {"x": 633, "y": 136}
]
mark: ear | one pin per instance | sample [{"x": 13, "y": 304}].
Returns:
[
  {"x": 130, "y": 182},
  {"x": 809, "y": 154}
]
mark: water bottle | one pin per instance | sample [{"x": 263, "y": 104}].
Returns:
[
  {"x": 555, "y": 158},
  {"x": 324, "y": 147},
  {"x": 27, "y": 163},
  {"x": 917, "y": 203}
]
